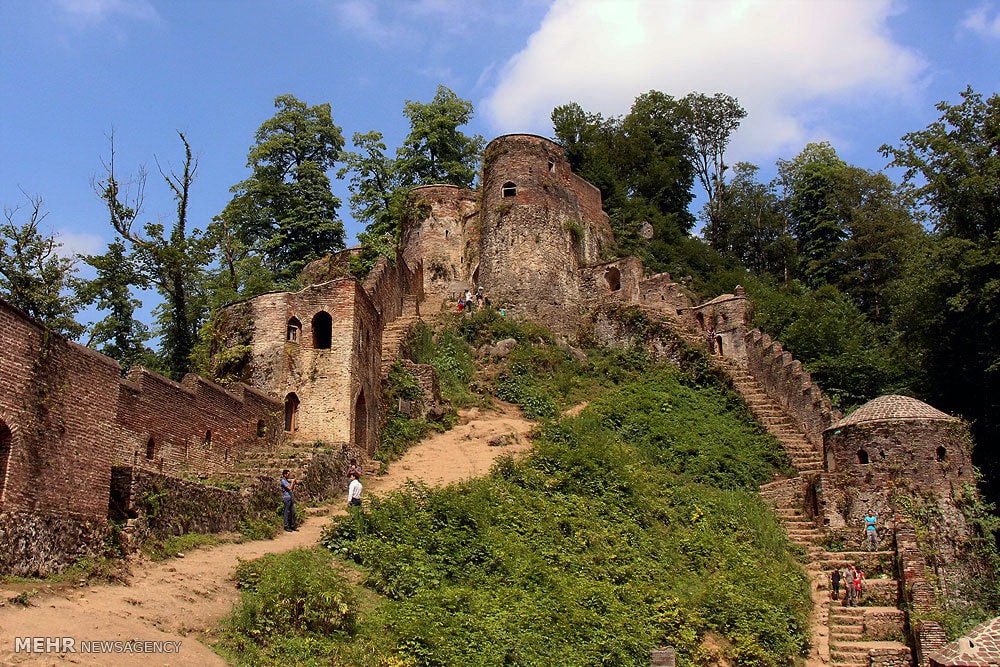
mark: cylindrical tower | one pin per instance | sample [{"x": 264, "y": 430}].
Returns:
[
  {"x": 442, "y": 232},
  {"x": 540, "y": 225}
]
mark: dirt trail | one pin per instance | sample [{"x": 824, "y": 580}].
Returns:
[{"x": 183, "y": 599}]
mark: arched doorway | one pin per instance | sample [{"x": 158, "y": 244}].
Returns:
[
  {"x": 6, "y": 444},
  {"x": 322, "y": 329},
  {"x": 361, "y": 422},
  {"x": 718, "y": 345},
  {"x": 291, "y": 413}
]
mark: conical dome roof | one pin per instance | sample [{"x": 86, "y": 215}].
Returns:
[{"x": 892, "y": 408}]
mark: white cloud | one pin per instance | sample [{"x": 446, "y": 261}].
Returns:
[
  {"x": 776, "y": 56},
  {"x": 82, "y": 243},
  {"x": 96, "y": 11},
  {"x": 983, "y": 20}
]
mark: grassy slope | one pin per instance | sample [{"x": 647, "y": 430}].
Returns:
[{"x": 635, "y": 524}]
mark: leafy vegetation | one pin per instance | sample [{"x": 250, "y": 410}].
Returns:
[{"x": 633, "y": 525}]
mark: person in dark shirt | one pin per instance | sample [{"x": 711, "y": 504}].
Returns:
[{"x": 288, "y": 500}]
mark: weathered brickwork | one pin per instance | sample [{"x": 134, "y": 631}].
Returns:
[
  {"x": 980, "y": 647},
  {"x": 541, "y": 226},
  {"x": 318, "y": 350},
  {"x": 443, "y": 237},
  {"x": 660, "y": 291},
  {"x": 68, "y": 417},
  {"x": 58, "y": 400},
  {"x": 173, "y": 427},
  {"x": 786, "y": 382}
]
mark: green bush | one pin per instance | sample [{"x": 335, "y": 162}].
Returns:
[
  {"x": 294, "y": 608},
  {"x": 626, "y": 529}
]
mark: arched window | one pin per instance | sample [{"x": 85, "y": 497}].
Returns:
[
  {"x": 261, "y": 428},
  {"x": 862, "y": 457},
  {"x": 150, "y": 449},
  {"x": 942, "y": 454},
  {"x": 613, "y": 278},
  {"x": 294, "y": 330},
  {"x": 552, "y": 166},
  {"x": 322, "y": 326},
  {"x": 508, "y": 189},
  {"x": 291, "y": 413},
  {"x": 208, "y": 438},
  {"x": 6, "y": 444}
]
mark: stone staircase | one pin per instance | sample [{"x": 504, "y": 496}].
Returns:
[
  {"x": 860, "y": 636},
  {"x": 394, "y": 335}
]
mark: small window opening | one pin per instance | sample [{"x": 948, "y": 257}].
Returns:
[
  {"x": 552, "y": 166},
  {"x": 862, "y": 457},
  {"x": 6, "y": 444},
  {"x": 294, "y": 329},
  {"x": 291, "y": 413},
  {"x": 718, "y": 345},
  {"x": 150, "y": 449},
  {"x": 942, "y": 454},
  {"x": 322, "y": 326},
  {"x": 508, "y": 190},
  {"x": 261, "y": 428},
  {"x": 446, "y": 233},
  {"x": 208, "y": 438},
  {"x": 613, "y": 278}
]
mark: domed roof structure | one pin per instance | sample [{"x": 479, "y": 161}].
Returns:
[{"x": 892, "y": 408}]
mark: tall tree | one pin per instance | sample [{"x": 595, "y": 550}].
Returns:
[
  {"x": 710, "y": 122},
  {"x": 753, "y": 227},
  {"x": 118, "y": 334},
  {"x": 285, "y": 211},
  {"x": 812, "y": 184},
  {"x": 173, "y": 261},
  {"x": 34, "y": 276},
  {"x": 948, "y": 305},
  {"x": 435, "y": 151},
  {"x": 378, "y": 197}
]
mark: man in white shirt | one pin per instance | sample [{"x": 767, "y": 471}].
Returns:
[{"x": 354, "y": 490}]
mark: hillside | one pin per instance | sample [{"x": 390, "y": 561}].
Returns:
[{"x": 635, "y": 523}]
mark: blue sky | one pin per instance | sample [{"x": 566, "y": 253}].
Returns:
[{"x": 857, "y": 73}]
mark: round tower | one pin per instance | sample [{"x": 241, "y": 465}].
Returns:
[
  {"x": 442, "y": 232},
  {"x": 540, "y": 225}
]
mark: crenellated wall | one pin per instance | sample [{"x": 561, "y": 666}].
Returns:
[
  {"x": 172, "y": 427},
  {"x": 790, "y": 385}
]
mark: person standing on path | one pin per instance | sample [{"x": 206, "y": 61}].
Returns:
[
  {"x": 354, "y": 490},
  {"x": 849, "y": 585},
  {"x": 835, "y": 580},
  {"x": 871, "y": 537},
  {"x": 288, "y": 500}
]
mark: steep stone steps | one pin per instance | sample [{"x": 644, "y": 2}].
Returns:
[{"x": 394, "y": 335}]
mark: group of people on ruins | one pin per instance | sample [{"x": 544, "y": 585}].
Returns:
[
  {"x": 852, "y": 579},
  {"x": 470, "y": 300}
]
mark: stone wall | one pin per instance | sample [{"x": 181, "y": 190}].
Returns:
[
  {"x": 390, "y": 283},
  {"x": 790, "y": 385},
  {"x": 660, "y": 291},
  {"x": 927, "y": 636},
  {"x": 58, "y": 402},
  {"x": 722, "y": 322},
  {"x": 617, "y": 280},
  {"x": 37, "y": 543},
  {"x": 540, "y": 227},
  {"x": 173, "y": 427},
  {"x": 442, "y": 235}
]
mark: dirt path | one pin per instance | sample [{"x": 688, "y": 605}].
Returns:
[{"x": 183, "y": 600}]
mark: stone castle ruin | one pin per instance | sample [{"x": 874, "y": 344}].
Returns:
[{"x": 79, "y": 444}]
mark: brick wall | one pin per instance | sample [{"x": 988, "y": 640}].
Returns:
[
  {"x": 58, "y": 400},
  {"x": 617, "y": 280},
  {"x": 928, "y": 636},
  {"x": 172, "y": 427},
  {"x": 786, "y": 382}
]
